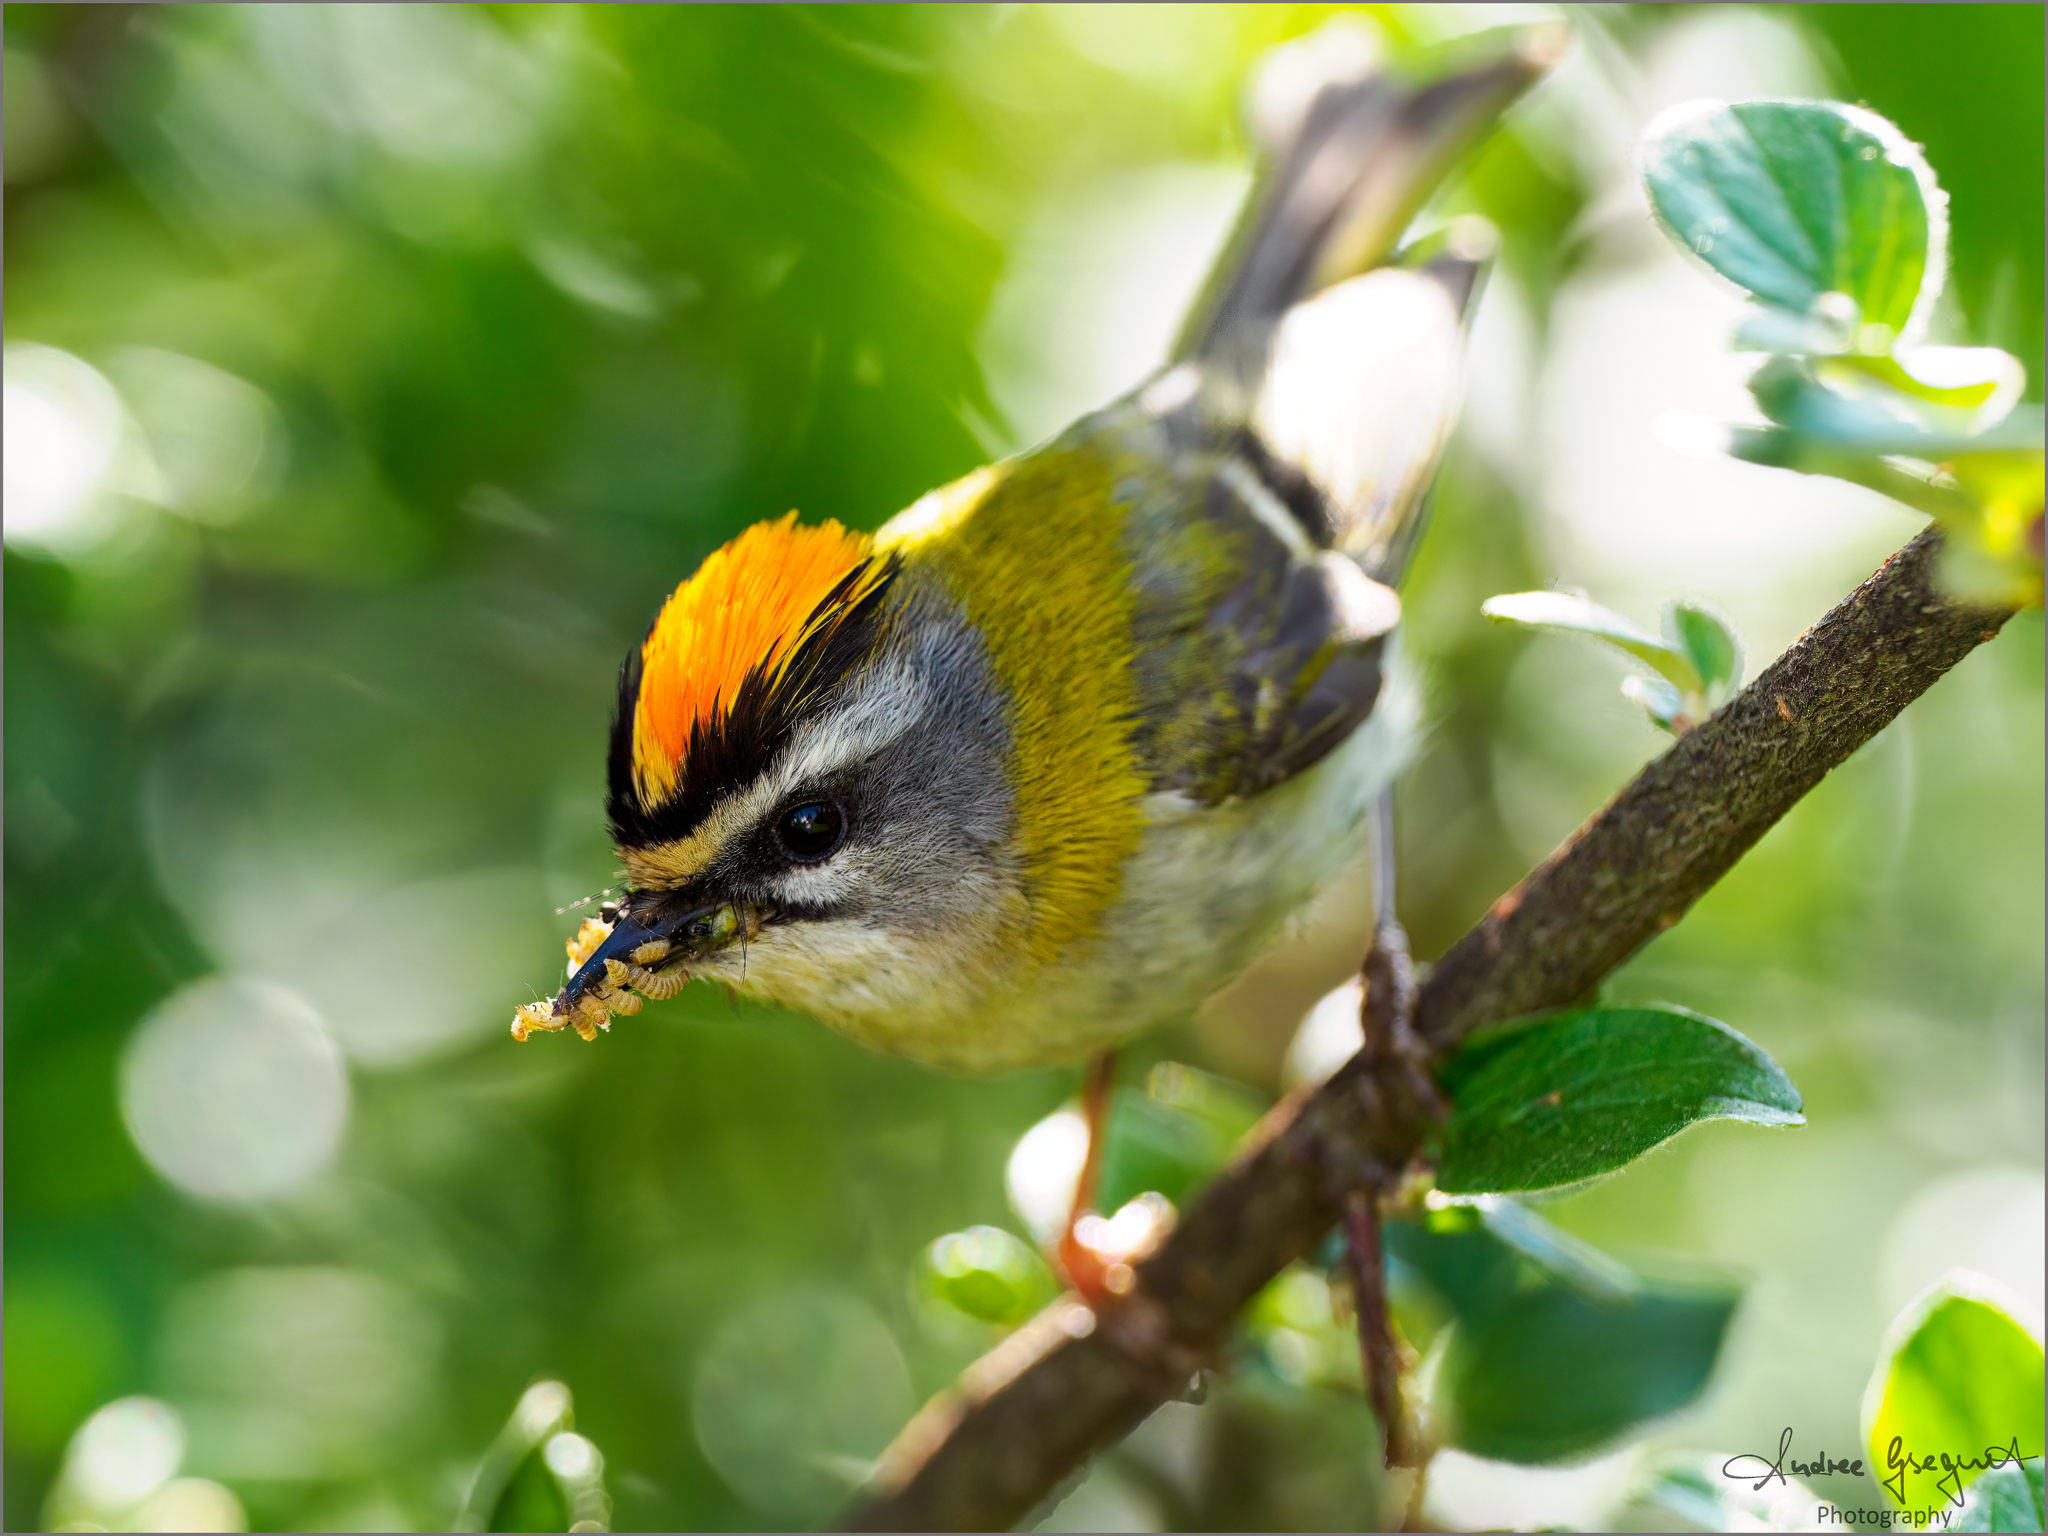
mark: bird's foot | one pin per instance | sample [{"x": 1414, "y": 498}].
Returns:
[{"x": 1387, "y": 1018}]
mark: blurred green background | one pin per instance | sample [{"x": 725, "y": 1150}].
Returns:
[{"x": 373, "y": 372}]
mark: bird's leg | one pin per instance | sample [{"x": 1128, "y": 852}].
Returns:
[
  {"x": 1387, "y": 1021},
  {"x": 1087, "y": 1269},
  {"x": 1388, "y": 1017}
]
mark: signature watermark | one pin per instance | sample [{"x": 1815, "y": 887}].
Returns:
[
  {"x": 1763, "y": 1468},
  {"x": 1901, "y": 1461},
  {"x": 1759, "y": 1471},
  {"x": 1883, "y": 1519}
]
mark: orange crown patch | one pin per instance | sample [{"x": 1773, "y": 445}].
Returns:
[{"x": 751, "y": 606}]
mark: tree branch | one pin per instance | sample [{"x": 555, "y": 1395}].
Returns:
[{"x": 1073, "y": 1382}]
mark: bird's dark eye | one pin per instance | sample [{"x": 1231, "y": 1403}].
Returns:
[{"x": 811, "y": 831}]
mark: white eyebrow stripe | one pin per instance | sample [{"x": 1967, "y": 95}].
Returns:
[{"x": 891, "y": 700}]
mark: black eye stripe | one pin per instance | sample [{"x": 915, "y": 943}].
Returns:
[{"x": 811, "y": 830}]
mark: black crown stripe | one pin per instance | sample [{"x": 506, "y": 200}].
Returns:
[{"x": 736, "y": 745}]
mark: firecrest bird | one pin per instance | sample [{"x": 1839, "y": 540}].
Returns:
[{"x": 1047, "y": 759}]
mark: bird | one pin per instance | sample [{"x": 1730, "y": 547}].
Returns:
[{"x": 1052, "y": 755}]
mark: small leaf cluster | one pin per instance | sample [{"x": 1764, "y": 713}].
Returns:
[
  {"x": 1540, "y": 1348},
  {"x": 1834, "y": 226},
  {"x": 1697, "y": 660},
  {"x": 1545, "y": 1348},
  {"x": 1836, "y": 229}
]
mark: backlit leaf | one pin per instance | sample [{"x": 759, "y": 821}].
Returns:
[
  {"x": 1708, "y": 642},
  {"x": 1663, "y": 703},
  {"x": 1957, "y": 1391},
  {"x": 988, "y": 1274},
  {"x": 1564, "y": 610},
  {"x": 1794, "y": 200}
]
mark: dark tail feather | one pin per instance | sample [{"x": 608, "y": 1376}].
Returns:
[{"x": 1367, "y": 155}]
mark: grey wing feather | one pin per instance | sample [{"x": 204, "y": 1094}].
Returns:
[{"x": 1256, "y": 652}]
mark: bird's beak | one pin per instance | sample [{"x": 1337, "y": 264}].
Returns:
[{"x": 658, "y": 934}]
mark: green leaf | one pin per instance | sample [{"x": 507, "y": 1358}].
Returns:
[
  {"x": 1794, "y": 200},
  {"x": 1556, "y": 1349},
  {"x": 1563, "y": 610},
  {"x": 1821, "y": 443},
  {"x": 532, "y": 1499},
  {"x": 988, "y": 1274},
  {"x": 1174, "y": 1136},
  {"x": 1995, "y": 555},
  {"x": 1969, "y": 387},
  {"x": 1957, "y": 1391},
  {"x": 1559, "y": 1255},
  {"x": 2006, "y": 1498},
  {"x": 1556, "y": 1375},
  {"x": 1829, "y": 327},
  {"x": 1567, "y": 1099},
  {"x": 1786, "y": 390},
  {"x": 1709, "y": 643},
  {"x": 1873, "y": 405}
]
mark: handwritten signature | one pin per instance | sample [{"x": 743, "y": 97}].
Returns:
[
  {"x": 1824, "y": 1466},
  {"x": 1898, "y": 1461},
  {"x": 1952, "y": 1467}
]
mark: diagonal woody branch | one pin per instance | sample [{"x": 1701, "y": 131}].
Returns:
[{"x": 1073, "y": 1382}]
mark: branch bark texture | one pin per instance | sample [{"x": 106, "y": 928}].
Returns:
[{"x": 1074, "y": 1381}]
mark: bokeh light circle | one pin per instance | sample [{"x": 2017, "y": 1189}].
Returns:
[
  {"x": 572, "y": 1457},
  {"x": 190, "y": 1504},
  {"x": 1044, "y": 1170},
  {"x": 798, "y": 1393},
  {"x": 64, "y": 426},
  {"x": 233, "y": 1091},
  {"x": 124, "y": 1452},
  {"x": 1330, "y": 1035}
]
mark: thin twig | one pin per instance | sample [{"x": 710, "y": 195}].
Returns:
[
  {"x": 1378, "y": 1354},
  {"x": 1075, "y": 1382}
]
